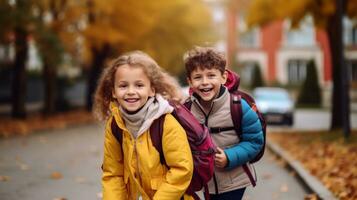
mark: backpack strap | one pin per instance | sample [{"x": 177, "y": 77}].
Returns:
[
  {"x": 188, "y": 104},
  {"x": 116, "y": 131},
  {"x": 156, "y": 132},
  {"x": 236, "y": 112}
]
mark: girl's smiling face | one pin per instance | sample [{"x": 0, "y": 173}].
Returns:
[{"x": 132, "y": 87}]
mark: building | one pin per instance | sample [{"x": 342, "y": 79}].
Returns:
[{"x": 281, "y": 52}]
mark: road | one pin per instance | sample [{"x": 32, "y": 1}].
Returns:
[
  {"x": 52, "y": 165},
  {"x": 65, "y": 164}
]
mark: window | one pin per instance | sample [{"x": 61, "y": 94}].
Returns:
[
  {"x": 352, "y": 70},
  {"x": 296, "y": 71},
  {"x": 304, "y": 35},
  {"x": 2, "y": 53},
  {"x": 248, "y": 38},
  {"x": 247, "y": 71},
  {"x": 349, "y": 32}
]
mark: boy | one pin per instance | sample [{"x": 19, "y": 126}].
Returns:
[{"x": 206, "y": 74}]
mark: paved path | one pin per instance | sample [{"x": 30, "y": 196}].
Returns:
[
  {"x": 66, "y": 164},
  {"x": 274, "y": 182}
]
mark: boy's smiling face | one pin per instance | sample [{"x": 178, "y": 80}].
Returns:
[{"x": 206, "y": 82}]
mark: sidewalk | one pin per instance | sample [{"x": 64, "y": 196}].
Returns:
[
  {"x": 274, "y": 181},
  {"x": 60, "y": 163}
]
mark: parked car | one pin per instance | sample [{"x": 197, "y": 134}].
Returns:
[{"x": 275, "y": 104}]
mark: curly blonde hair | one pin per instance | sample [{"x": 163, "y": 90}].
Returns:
[{"x": 160, "y": 80}]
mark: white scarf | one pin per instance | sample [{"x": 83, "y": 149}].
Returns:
[{"x": 141, "y": 121}]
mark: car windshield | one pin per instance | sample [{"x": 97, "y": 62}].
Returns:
[{"x": 272, "y": 95}]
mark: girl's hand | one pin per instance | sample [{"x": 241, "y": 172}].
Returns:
[{"x": 220, "y": 158}]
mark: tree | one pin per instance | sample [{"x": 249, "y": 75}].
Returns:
[
  {"x": 177, "y": 29},
  {"x": 164, "y": 29},
  {"x": 327, "y": 15},
  {"x": 110, "y": 27},
  {"x": 16, "y": 19},
  {"x": 310, "y": 93},
  {"x": 47, "y": 36}
]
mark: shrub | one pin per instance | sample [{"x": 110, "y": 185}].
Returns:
[
  {"x": 257, "y": 79},
  {"x": 310, "y": 94}
]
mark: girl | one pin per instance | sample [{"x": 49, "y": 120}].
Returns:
[{"x": 132, "y": 92}]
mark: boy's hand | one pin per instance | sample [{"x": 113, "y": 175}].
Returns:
[{"x": 220, "y": 158}]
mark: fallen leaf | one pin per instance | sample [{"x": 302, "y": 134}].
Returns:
[
  {"x": 56, "y": 175},
  {"x": 24, "y": 167},
  {"x": 4, "y": 178},
  {"x": 311, "y": 197},
  {"x": 284, "y": 188},
  {"x": 60, "y": 198},
  {"x": 267, "y": 176}
]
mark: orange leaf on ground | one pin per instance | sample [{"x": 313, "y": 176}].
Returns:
[
  {"x": 284, "y": 188},
  {"x": 60, "y": 198},
  {"x": 327, "y": 156},
  {"x": 56, "y": 175},
  {"x": 37, "y": 122},
  {"x": 311, "y": 197},
  {"x": 4, "y": 178}
]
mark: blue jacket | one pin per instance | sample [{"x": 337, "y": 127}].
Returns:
[{"x": 251, "y": 139}]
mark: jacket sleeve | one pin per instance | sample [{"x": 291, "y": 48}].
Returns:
[
  {"x": 113, "y": 168},
  {"x": 251, "y": 140},
  {"x": 179, "y": 160}
]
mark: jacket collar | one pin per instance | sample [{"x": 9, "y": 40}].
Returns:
[{"x": 217, "y": 103}]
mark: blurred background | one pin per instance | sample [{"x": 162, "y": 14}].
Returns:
[
  {"x": 298, "y": 58},
  {"x": 52, "y": 51}
]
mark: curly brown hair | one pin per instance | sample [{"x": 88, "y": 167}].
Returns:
[
  {"x": 204, "y": 58},
  {"x": 160, "y": 80}
]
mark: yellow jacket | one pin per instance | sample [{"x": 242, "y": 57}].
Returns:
[{"x": 139, "y": 171}]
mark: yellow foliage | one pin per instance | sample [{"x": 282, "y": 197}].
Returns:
[
  {"x": 352, "y": 8},
  {"x": 295, "y": 10},
  {"x": 165, "y": 29},
  {"x": 177, "y": 28}
]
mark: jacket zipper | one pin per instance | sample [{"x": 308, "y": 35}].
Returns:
[{"x": 137, "y": 163}]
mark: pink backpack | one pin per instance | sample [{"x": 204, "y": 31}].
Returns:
[{"x": 200, "y": 141}]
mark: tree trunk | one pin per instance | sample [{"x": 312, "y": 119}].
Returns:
[
  {"x": 49, "y": 76},
  {"x": 19, "y": 77},
  {"x": 340, "y": 97},
  {"x": 100, "y": 55}
]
